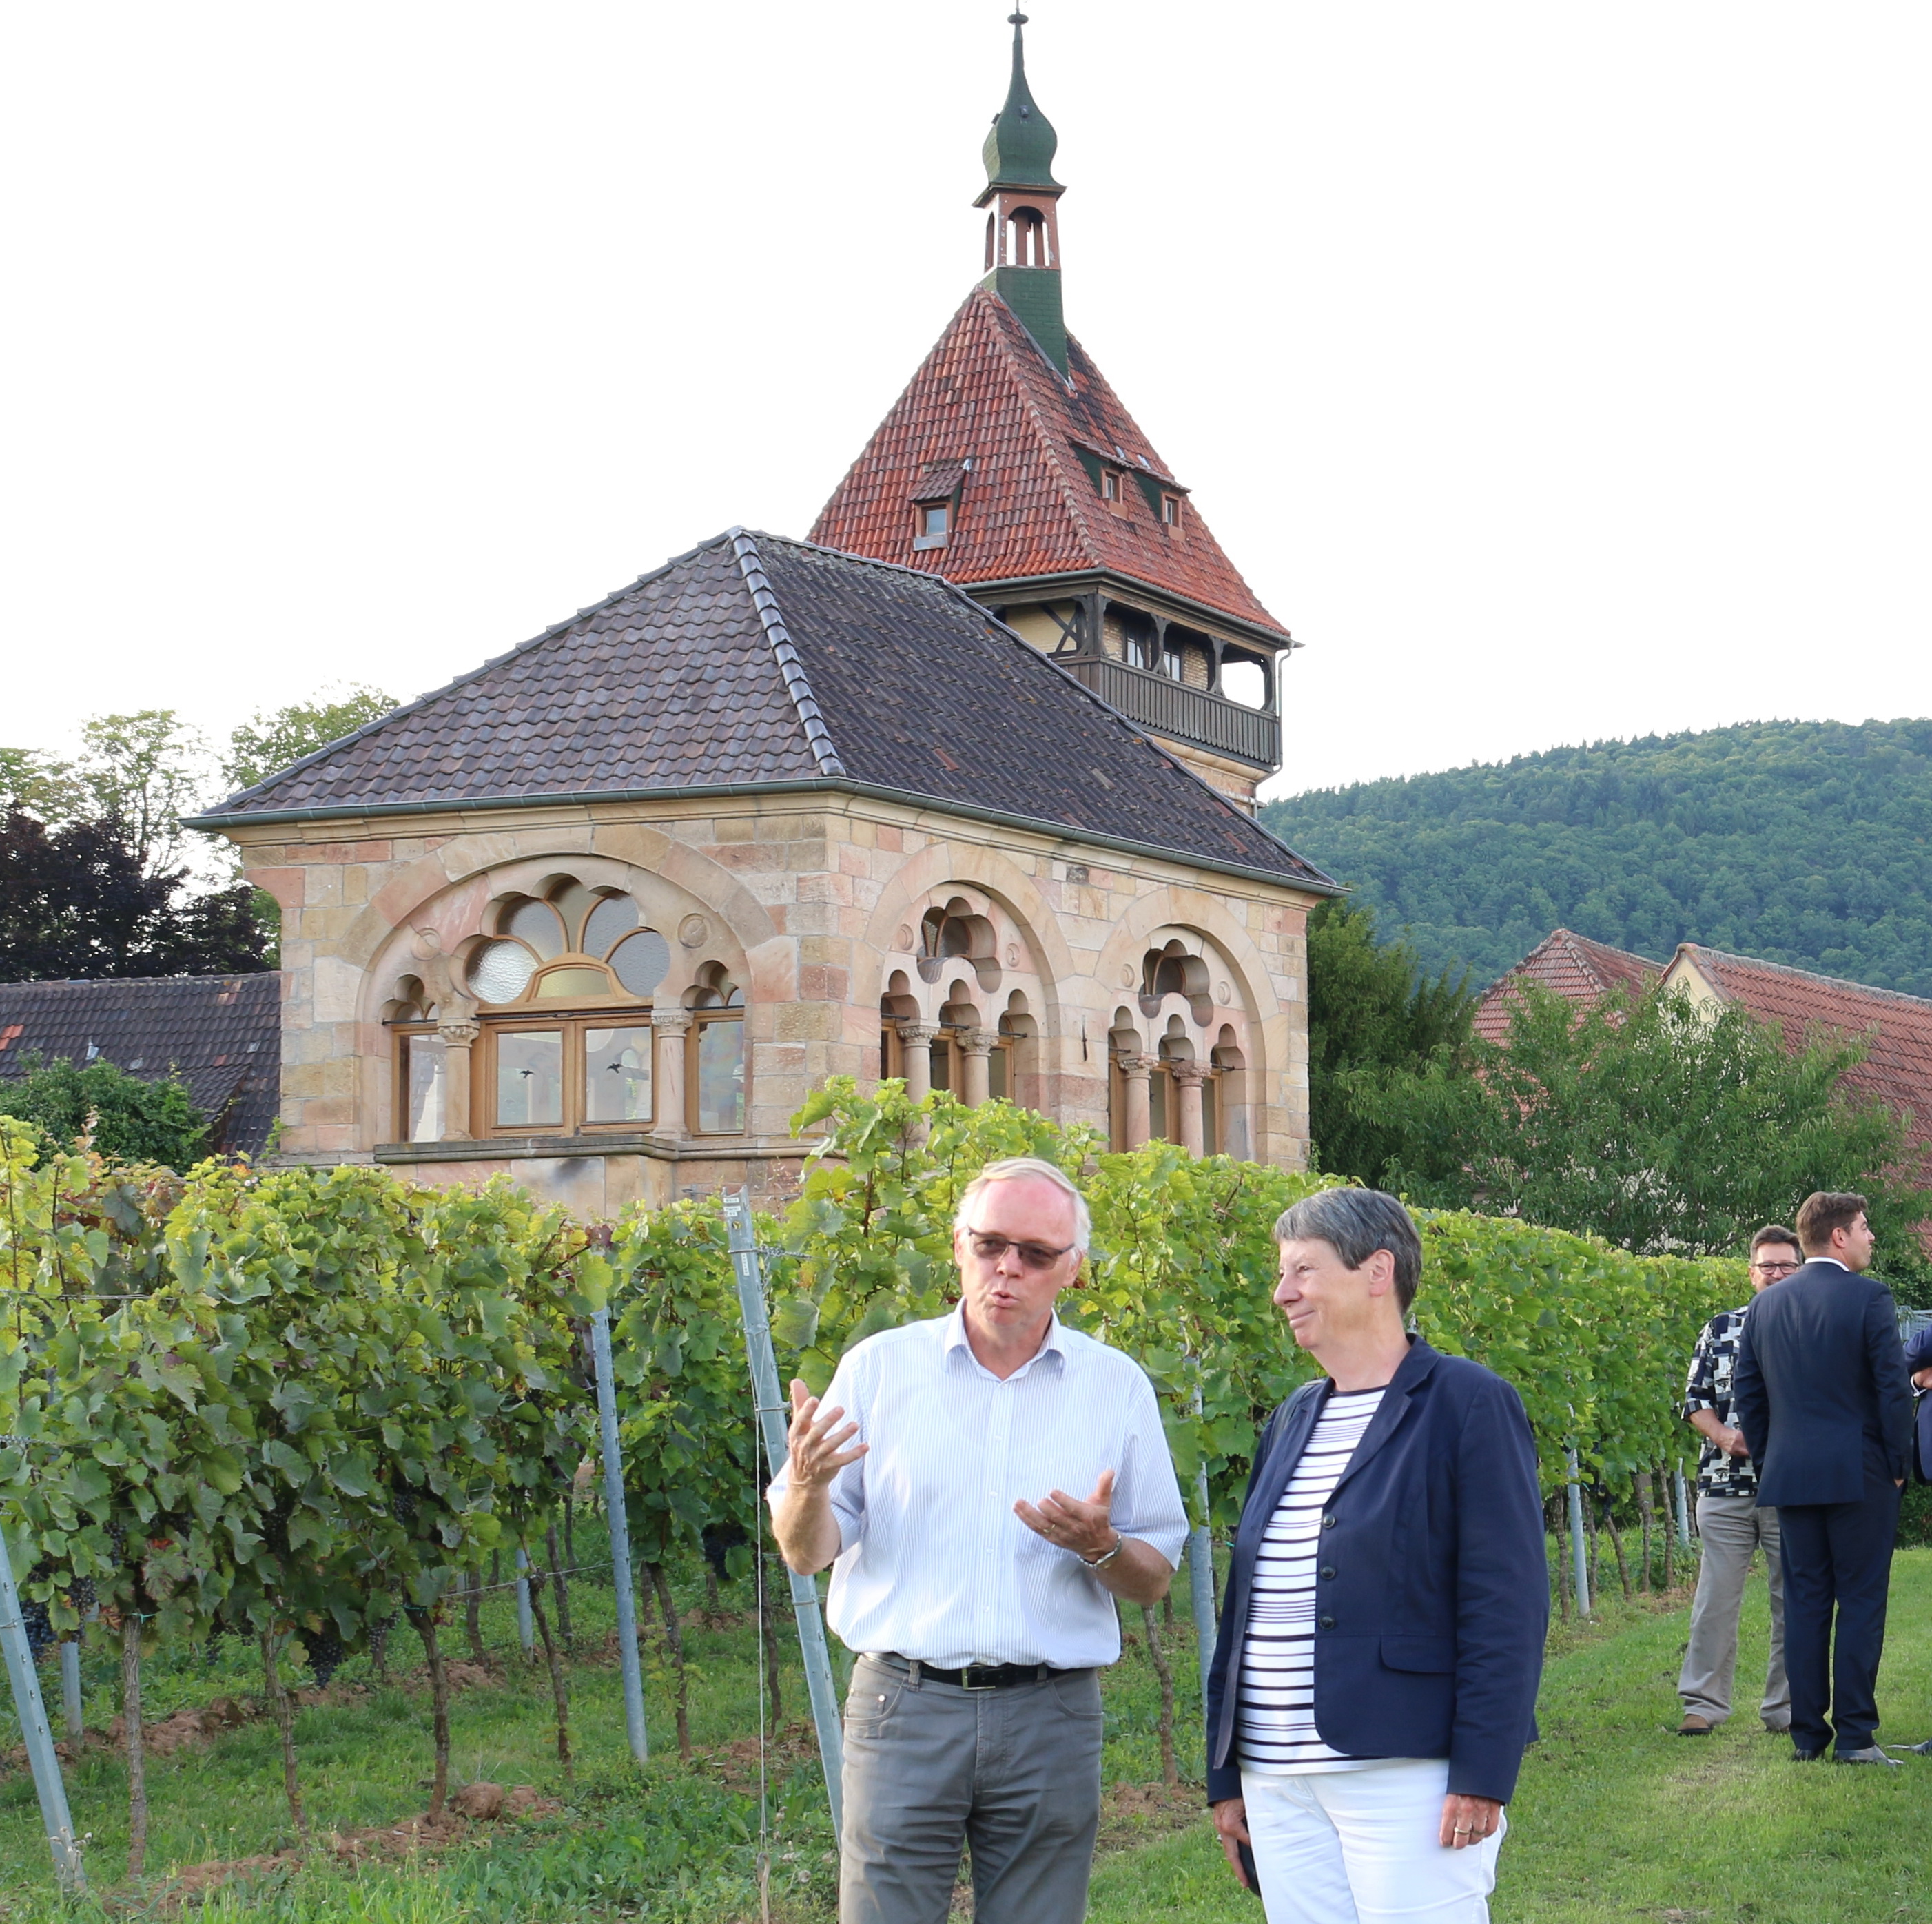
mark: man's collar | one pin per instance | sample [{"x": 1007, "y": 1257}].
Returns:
[
  {"x": 956, "y": 1338},
  {"x": 1835, "y": 1263}
]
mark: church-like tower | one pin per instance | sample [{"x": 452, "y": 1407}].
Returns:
[{"x": 1009, "y": 466}]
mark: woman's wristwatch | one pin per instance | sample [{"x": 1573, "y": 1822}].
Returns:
[{"x": 1106, "y": 1556}]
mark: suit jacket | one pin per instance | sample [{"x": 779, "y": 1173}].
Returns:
[
  {"x": 1429, "y": 1637},
  {"x": 1918, "y": 1356},
  {"x": 1821, "y": 1392}
]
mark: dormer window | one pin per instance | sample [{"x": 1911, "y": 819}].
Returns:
[
  {"x": 1111, "y": 478},
  {"x": 932, "y": 522},
  {"x": 1170, "y": 511}
]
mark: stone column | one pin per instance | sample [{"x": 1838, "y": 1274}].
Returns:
[
  {"x": 1135, "y": 1071},
  {"x": 1189, "y": 1081},
  {"x": 670, "y": 1028},
  {"x": 976, "y": 1047},
  {"x": 915, "y": 1041},
  {"x": 457, "y": 1039}
]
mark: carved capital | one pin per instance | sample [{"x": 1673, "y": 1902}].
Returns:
[
  {"x": 979, "y": 1042},
  {"x": 671, "y": 1021},
  {"x": 1188, "y": 1075},
  {"x": 1136, "y": 1067},
  {"x": 918, "y": 1035},
  {"x": 457, "y": 1035}
]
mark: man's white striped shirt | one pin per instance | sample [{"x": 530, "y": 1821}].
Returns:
[
  {"x": 933, "y": 1563},
  {"x": 1276, "y": 1736}
]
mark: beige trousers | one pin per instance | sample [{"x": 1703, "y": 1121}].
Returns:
[{"x": 1732, "y": 1529}]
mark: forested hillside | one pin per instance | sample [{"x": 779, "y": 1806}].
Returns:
[{"x": 1803, "y": 842}]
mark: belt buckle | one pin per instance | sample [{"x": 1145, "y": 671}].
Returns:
[{"x": 968, "y": 1670}]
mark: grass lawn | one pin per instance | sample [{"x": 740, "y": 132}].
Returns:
[{"x": 1615, "y": 1818}]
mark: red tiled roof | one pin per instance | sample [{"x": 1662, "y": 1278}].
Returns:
[
  {"x": 1578, "y": 969},
  {"x": 1028, "y": 506},
  {"x": 1896, "y": 1029}
]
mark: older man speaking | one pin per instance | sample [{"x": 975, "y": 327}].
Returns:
[{"x": 937, "y": 1479}]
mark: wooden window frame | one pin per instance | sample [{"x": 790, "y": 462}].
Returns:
[
  {"x": 701, "y": 1020},
  {"x": 399, "y": 1074},
  {"x": 573, "y": 1024}
]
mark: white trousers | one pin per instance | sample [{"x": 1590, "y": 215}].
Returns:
[{"x": 1359, "y": 1847}]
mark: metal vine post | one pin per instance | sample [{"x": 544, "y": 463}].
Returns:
[
  {"x": 773, "y": 1412},
  {"x": 41, "y": 1758},
  {"x": 623, "y": 1576}
]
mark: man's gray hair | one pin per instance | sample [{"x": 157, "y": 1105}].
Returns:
[
  {"x": 1354, "y": 1223},
  {"x": 1015, "y": 1168}
]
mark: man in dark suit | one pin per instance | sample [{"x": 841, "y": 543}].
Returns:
[
  {"x": 1375, "y": 1681},
  {"x": 1918, "y": 1363},
  {"x": 1821, "y": 1396}
]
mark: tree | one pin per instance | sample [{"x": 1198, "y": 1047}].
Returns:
[
  {"x": 143, "y": 772},
  {"x": 37, "y": 784},
  {"x": 1369, "y": 1007},
  {"x": 75, "y": 902},
  {"x": 1653, "y": 1123},
  {"x": 133, "y": 1120},
  {"x": 277, "y": 738}
]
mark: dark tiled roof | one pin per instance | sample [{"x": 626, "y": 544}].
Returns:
[
  {"x": 1896, "y": 1030},
  {"x": 1578, "y": 969},
  {"x": 221, "y": 1034},
  {"x": 1029, "y": 506},
  {"x": 758, "y": 660}
]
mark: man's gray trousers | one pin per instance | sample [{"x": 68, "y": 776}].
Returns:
[
  {"x": 1014, "y": 1773},
  {"x": 1731, "y": 1528}
]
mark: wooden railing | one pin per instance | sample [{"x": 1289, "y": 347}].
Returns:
[{"x": 1189, "y": 715}]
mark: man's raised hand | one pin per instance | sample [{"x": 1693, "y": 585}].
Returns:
[
  {"x": 1086, "y": 1528},
  {"x": 815, "y": 1443}
]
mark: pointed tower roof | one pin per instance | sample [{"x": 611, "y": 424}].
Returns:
[
  {"x": 988, "y": 421},
  {"x": 1019, "y": 151},
  {"x": 755, "y": 664}
]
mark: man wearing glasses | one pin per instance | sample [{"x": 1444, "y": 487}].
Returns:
[
  {"x": 1729, "y": 1521},
  {"x": 936, "y": 1478}
]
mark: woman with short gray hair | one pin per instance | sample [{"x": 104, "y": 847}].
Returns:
[{"x": 1374, "y": 1682}]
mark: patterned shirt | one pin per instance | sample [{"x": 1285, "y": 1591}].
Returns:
[
  {"x": 1712, "y": 1364},
  {"x": 1277, "y": 1733}
]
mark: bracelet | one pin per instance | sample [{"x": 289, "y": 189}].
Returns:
[{"x": 1106, "y": 1556}]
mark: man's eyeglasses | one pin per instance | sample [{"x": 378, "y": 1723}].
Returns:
[
  {"x": 1779, "y": 1268},
  {"x": 1032, "y": 1256}
]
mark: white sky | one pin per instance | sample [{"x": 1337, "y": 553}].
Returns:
[{"x": 1554, "y": 372}]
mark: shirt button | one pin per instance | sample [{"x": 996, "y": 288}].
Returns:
[
  {"x": 1326, "y": 1622},
  {"x": 1327, "y": 1522},
  {"x": 1328, "y": 1572}
]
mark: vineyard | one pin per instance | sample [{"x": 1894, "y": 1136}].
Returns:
[{"x": 313, "y": 1411}]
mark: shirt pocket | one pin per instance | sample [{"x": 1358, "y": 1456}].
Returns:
[{"x": 1428, "y": 1655}]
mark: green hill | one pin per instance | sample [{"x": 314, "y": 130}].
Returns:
[{"x": 1798, "y": 841}]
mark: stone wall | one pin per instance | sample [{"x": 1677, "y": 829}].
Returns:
[{"x": 815, "y": 904}]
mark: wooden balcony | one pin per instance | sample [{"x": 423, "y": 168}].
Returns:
[{"x": 1183, "y": 714}]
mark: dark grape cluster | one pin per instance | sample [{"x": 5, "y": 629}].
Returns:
[
  {"x": 39, "y": 1629},
  {"x": 403, "y": 1506},
  {"x": 719, "y": 1540},
  {"x": 326, "y": 1652}
]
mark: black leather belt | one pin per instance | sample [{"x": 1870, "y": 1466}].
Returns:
[{"x": 974, "y": 1676}]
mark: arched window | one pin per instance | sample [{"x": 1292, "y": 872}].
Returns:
[{"x": 715, "y": 1076}]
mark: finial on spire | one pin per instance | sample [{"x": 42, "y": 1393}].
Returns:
[{"x": 1019, "y": 151}]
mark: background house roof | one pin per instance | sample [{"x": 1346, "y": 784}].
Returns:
[
  {"x": 754, "y": 660},
  {"x": 1896, "y": 1029},
  {"x": 221, "y": 1034},
  {"x": 1029, "y": 506},
  {"x": 1578, "y": 969}
]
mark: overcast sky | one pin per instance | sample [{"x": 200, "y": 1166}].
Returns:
[{"x": 1553, "y": 372}]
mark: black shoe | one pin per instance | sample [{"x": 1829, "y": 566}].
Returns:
[
  {"x": 1913, "y": 1750},
  {"x": 1871, "y": 1754},
  {"x": 1806, "y": 1756}
]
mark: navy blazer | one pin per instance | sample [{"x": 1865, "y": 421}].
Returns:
[
  {"x": 1820, "y": 1390},
  {"x": 1429, "y": 1638},
  {"x": 1918, "y": 1356}
]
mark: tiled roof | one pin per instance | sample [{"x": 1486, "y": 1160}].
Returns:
[
  {"x": 987, "y": 395},
  {"x": 758, "y": 660},
  {"x": 222, "y": 1034},
  {"x": 1896, "y": 1029},
  {"x": 1578, "y": 969}
]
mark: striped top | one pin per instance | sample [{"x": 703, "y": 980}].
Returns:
[{"x": 1276, "y": 1735}]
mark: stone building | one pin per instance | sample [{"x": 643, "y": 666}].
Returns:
[{"x": 603, "y": 913}]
